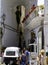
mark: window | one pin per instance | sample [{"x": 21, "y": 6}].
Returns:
[{"x": 9, "y": 53}]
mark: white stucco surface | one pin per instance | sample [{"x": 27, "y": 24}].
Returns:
[
  {"x": 10, "y": 38},
  {"x": 46, "y": 24}
]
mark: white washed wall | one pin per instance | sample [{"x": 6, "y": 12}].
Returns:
[
  {"x": 0, "y": 10},
  {"x": 27, "y": 37},
  {"x": 0, "y": 23},
  {"x": 9, "y": 37},
  {"x": 46, "y": 22}
]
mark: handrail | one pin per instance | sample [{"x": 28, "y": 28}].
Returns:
[{"x": 32, "y": 9}]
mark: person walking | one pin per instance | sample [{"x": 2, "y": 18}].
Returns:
[
  {"x": 27, "y": 53},
  {"x": 23, "y": 58},
  {"x": 42, "y": 57}
]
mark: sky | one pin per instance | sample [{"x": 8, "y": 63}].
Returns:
[{"x": 40, "y": 2}]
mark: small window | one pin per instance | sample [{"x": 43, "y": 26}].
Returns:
[{"x": 10, "y": 53}]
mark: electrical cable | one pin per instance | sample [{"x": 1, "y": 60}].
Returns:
[{"x": 8, "y": 27}]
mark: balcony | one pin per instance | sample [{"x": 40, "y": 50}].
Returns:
[{"x": 36, "y": 15}]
